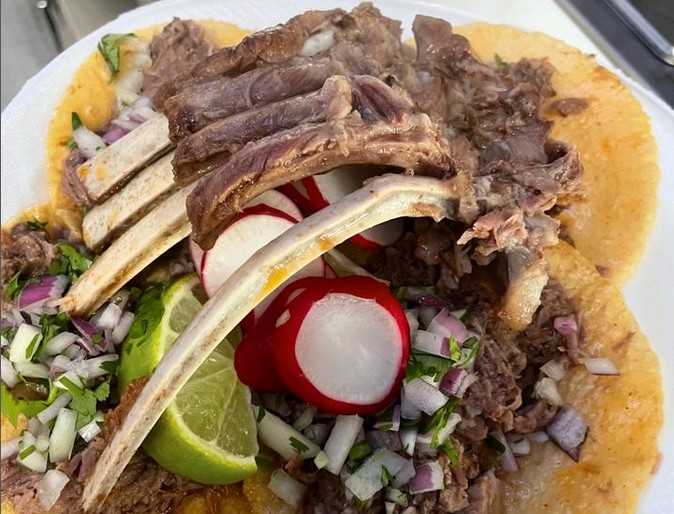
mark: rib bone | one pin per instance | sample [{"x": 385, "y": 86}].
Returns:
[
  {"x": 383, "y": 199},
  {"x": 106, "y": 221},
  {"x": 138, "y": 247},
  {"x": 111, "y": 168}
]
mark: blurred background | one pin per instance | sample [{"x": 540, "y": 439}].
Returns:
[{"x": 635, "y": 35}]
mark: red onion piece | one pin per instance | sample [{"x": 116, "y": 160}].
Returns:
[
  {"x": 428, "y": 477},
  {"x": 452, "y": 381},
  {"x": 86, "y": 329},
  {"x": 447, "y": 325},
  {"x": 50, "y": 287},
  {"x": 114, "y": 134},
  {"x": 568, "y": 430},
  {"x": 538, "y": 437},
  {"x": 424, "y": 396},
  {"x": 61, "y": 364},
  {"x": 600, "y": 366},
  {"x": 566, "y": 325},
  {"x": 508, "y": 462}
]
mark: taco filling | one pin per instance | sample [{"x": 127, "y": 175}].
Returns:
[{"x": 449, "y": 355}]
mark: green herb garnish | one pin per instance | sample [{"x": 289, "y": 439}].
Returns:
[
  {"x": 386, "y": 476},
  {"x": 70, "y": 262},
  {"x": 36, "y": 226},
  {"x": 109, "y": 48},
  {"x": 359, "y": 451}
]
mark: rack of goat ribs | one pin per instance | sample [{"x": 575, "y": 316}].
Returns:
[{"x": 456, "y": 139}]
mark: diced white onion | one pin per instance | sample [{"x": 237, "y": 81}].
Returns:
[
  {"x": 600, "y": 366},
  {"x": 305, "y": 418},
  {"x": 318, "y": 433},
  {"x": 32, "y": 369},
  {"x": 7, "y": 372},
  {"x": 107, "y": 318},
  {"x": 278, "y": 435},
  {"x": 413, "y": 322},
  {"x": 538, "y": 437},
  {"x": 71, "y": 376},
  {"x": 59, "y": 343},
  {"x": 405, "y": 474},
  {"x": 446, "y": 325},
  {"x": 36, "y": 460},
  {"x": 554, "y": 369},
  {"x": 120, "y": 332},
  {"x": 288, "y": 489},
  {"x": 341, "y": 440},
  {"x": 52, "y": 411},
  {"x": 88, "y": 142},
  {"x": 9, "y": 448},
  {"x": 424, "y": 396},
  {"x": 428, "y": 477},
  {"x": 93, "y": 428},
  {"x": 62, "y": 436},
  {"x": 366, "y": 481},
  {"x": 93, "y": 367},
  {"x": 321, "y": 460},
  {"x": 519, "y": 444},
  {"x": 408, "y": 439},
  {"x": 429, "y": 342},
  {"x": 389, "y": 507},
  {"x": 50, "y": 486},
  {"x": 546, "y": 389},
  {"x": 508, "y": 461},
  {"x": 20, "y": 350},
  {"x": 426, "y": 314},
  {"x": 407, "y": 409}
]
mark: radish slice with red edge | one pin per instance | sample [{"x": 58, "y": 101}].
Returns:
[
  {"x": 277, "y": 200},
  {"x": 342, "y": 346},
  {"x": 298, "y": 194},
  {"x": 251, "y": 230},
  {"x": 330, "y": 187},
  {"x": 254, "y": 357},
  {"x": 197, "y": 256}
]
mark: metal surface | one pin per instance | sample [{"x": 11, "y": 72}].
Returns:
[
  {"x": 650, "y": 35},
  {"x": 621, "y": 45}
]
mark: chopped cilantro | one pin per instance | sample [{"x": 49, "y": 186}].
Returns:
[
  {"x": 454, "y": 349},
  {"x": 72, "y": 144},
  {"x": 75, "y": 121},
  {"x": 448, "y": 449},
  {"x": 110, "y": 366},
  {"x": 30, "y": 349},
  {"x": 9, "y": 333},
  {"x": 36, "y": 226},
  {"x": 85, "y": 400},
  {"x": 52, "y": 325},
  {"x": 386, "y": 476},
  {"x": 421, "y": 365},
  {"x": 70, "y": 262},
  {"x": 261, "y": 413},
  {"x": 12, "y": 407},
  {"x": 498, "y": 60},
  {"x": 13, "y": 286},
  {"x": 109, "y": 48},
  {"x": 439, "y": 419},
  {"x": 298, "y": 445},
  {"x": 472, "y": 345},
  {"x": 149, "y": 312},
  {"x": 359, "y": 451}
]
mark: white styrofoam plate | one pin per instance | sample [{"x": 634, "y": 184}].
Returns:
[{"x": 650, "y": 293}]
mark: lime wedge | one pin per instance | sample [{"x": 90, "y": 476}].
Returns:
[{"x": 208, "y": 434}]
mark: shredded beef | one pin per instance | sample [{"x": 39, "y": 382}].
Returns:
[
  {"x": 569, "y": 106},
  {"x": 71, "y": 183},
  {"x": 26, "y": 251},
  {"x": 174, "y": 51}
]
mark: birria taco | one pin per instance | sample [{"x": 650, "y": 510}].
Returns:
[{"x": 459, "y": 212}]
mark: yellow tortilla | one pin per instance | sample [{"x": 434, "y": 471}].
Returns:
[
  {"x": 613, "y": 135},
  {"x": 624, "y": 412},
  {"x": 92, "y": 96}
]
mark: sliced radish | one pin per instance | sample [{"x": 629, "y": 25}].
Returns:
[
  {"x": 277, "y": 200},
  {"x": 330, "y": 187},
  {"x": 297, "y": 193},
  {"x": 254, "y": 358},
  {"x": 250, "y": 231},
  {"x": 343, "y": 346}
]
